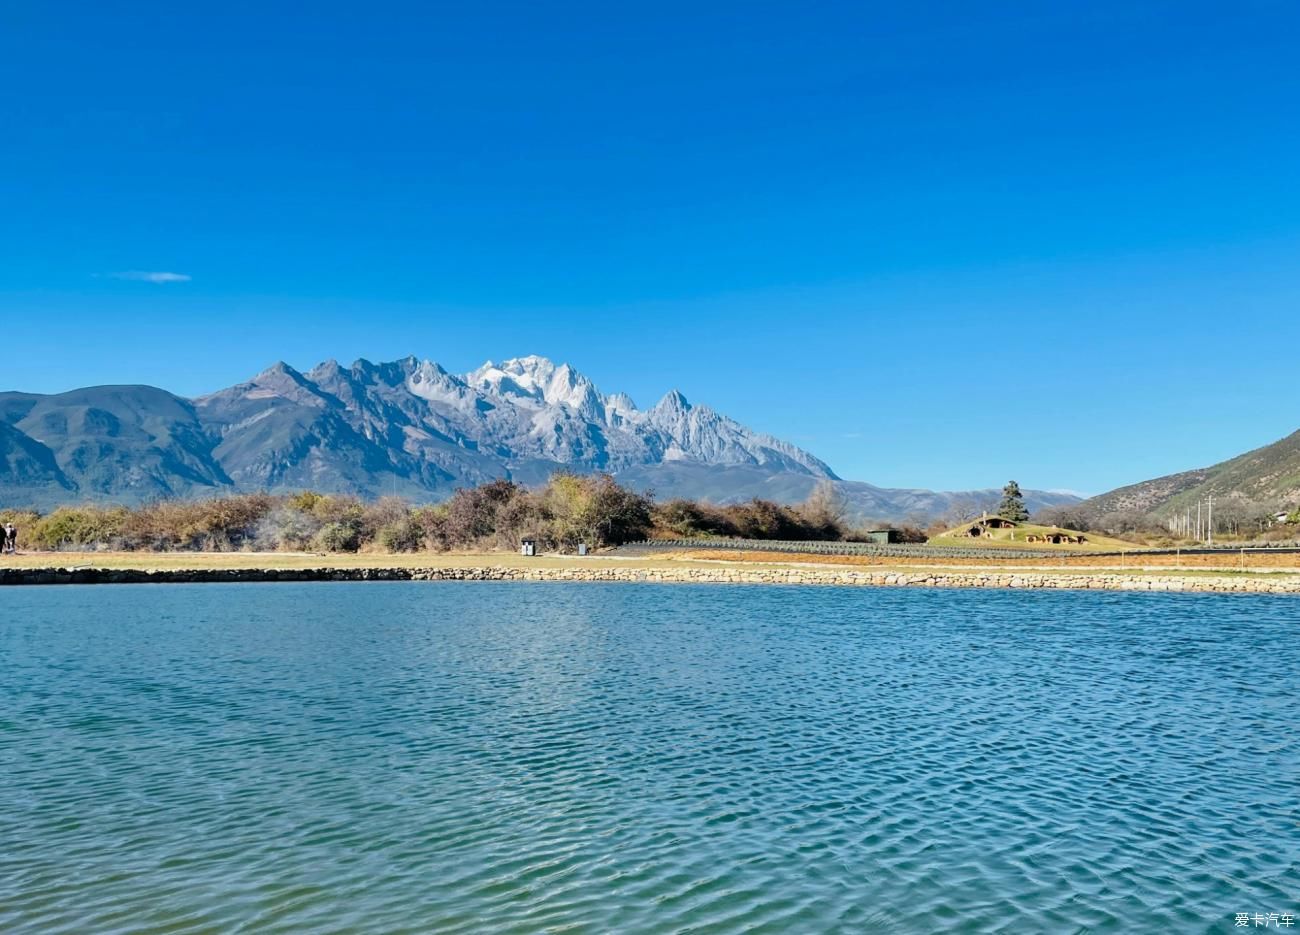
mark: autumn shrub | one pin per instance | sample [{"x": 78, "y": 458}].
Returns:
[
  {"x": 473, "y": 513},
  {"x": 337, "y": 537},
  {"x": 763, "y": 519},
  {"x": 681, "y": 517},
  {"x": 571, "y": 508},
  {"x": 304, "y": 501},
  {"x": 403, "y": 535},
  {"x": 524, "y": 515},
  {"x": 823, "y": 515},
  {"x": 385, "y": 512},
  {"x": 218, "y": 524},
  {"x": 287, "y": 529},
  {"x": 618, "y": 514},
  {"x": 79, "y": 527},
  {"x": 433, "y": 525},
  {"x": 911, "y": 535},
  {"x": 591, "y": 508},
  {"x": 690, "y": 519}
]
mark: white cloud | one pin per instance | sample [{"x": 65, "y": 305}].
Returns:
[{"x": 136, "y": 275}]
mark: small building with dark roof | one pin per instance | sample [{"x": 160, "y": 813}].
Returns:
[{"x": 883, "y": 536}]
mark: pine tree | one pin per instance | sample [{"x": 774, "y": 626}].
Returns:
[{"x": 1013, "y": 503}]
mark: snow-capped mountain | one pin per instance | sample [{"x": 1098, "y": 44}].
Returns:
[
  {"x": 529, "y": 409},
  {"x": 406, "y": 427}
]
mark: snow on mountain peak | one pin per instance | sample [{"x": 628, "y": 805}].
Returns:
[
  {"x": 537, "y": 381},
  {"x": 620, "y": 408},
  {"x": 529, "y": 408},
  {"x": 428, "y": 370},
  {"x": 431, "y": 382},
  {"x": 673, "y": 401}
]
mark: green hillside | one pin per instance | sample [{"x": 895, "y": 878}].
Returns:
[
  {"x": 1269, "y": 476},
  {"x": 1019, "y": 537}
]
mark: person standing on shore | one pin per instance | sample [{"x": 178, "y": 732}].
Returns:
[{"x": 10, "y": 539}]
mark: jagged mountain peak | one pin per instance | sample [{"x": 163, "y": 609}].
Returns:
[
  {"x": 406, "y": 426},
  {"x": 330, "y": 366},
  {"x": 409, "y": 425},
  {"x": 430, "y": 370},
  {"x": 276, "y": 370},
  {"x": 620, "y": 408},
  {"x": 537, "y": 380},
  {"x": 278, "y": 381},
  {"x": 674, "y": 401}
]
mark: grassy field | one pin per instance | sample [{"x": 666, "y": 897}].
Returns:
[
  {"x": 1075, "y": 561},
  {"x": 1017, "y": 539},
  {"x": 286, "y": 560}
]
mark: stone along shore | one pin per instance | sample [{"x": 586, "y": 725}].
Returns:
[{"x": 1271, "y": 584}]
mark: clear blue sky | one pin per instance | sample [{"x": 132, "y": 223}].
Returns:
[{"x": 938, "y": 245}]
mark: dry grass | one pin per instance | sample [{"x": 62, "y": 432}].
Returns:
[
  {"x": 285, "y": 560},
  {"x": 1256, "y": 562},
  {"x": 1076, "y": 562}
]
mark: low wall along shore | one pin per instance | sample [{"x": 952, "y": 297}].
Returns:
[{"x": 1101, "y": 581}]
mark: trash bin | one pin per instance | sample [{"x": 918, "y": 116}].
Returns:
[{"x": 582, "y": 548}]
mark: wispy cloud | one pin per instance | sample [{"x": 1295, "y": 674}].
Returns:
[{"x": 136, "y": 275}]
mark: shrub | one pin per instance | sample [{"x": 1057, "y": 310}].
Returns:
[
  {"x": 912, "y": 535},
  {"x": 305, "y": 501},
  {"x": 763, "y": 519},
  {"x": 404, "y": 535},
  {"x": 684, "y": 518},
  {"x": 337, "y": 537},
  {"x": 387, "y": 511},
  {"x": 824, "y": 512},
  {"x": 524, "y": 515},
  {"x": 473, "y": 512},
  {"x": 78, "y": 527},
  {"x": 218, "y": 524},
  {"x": 433, "y": 523},
  {"x": 571, "y": 508},
  {"x": 593, "y": 509},
  {"x": 618, "y": 515},
  {"x": 288, "y": 529}
]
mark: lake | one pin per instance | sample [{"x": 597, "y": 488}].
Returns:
[{"x": 416, "y": 757}]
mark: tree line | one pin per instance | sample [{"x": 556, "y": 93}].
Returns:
[
  {"x": 1235, "y": 518},
  {"x": 567, "y": 510}
]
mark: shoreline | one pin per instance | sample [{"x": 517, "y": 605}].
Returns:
[{"x": 659, "y": 573}]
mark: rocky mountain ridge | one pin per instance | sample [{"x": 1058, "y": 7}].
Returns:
[{"x": 405, "y": 427}]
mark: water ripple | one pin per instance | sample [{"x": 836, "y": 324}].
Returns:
[{"x": 590, "y": 758}]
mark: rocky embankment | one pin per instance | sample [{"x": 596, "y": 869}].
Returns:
[{"x": 1270, "y": 584}]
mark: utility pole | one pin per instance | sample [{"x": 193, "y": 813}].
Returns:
[
  {"x": 1210, "y": 522},
  {"x": 1198, "y": 520}
]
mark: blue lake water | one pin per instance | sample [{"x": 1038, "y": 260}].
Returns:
[{"x": 513, "y": 757}]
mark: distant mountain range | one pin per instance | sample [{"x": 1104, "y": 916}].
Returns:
[
  {"x": 409, "y": 428},
  {"x": 1269, "y": 476}
]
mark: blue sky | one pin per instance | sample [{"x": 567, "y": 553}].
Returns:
[{"x": 938, "y": 245}]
